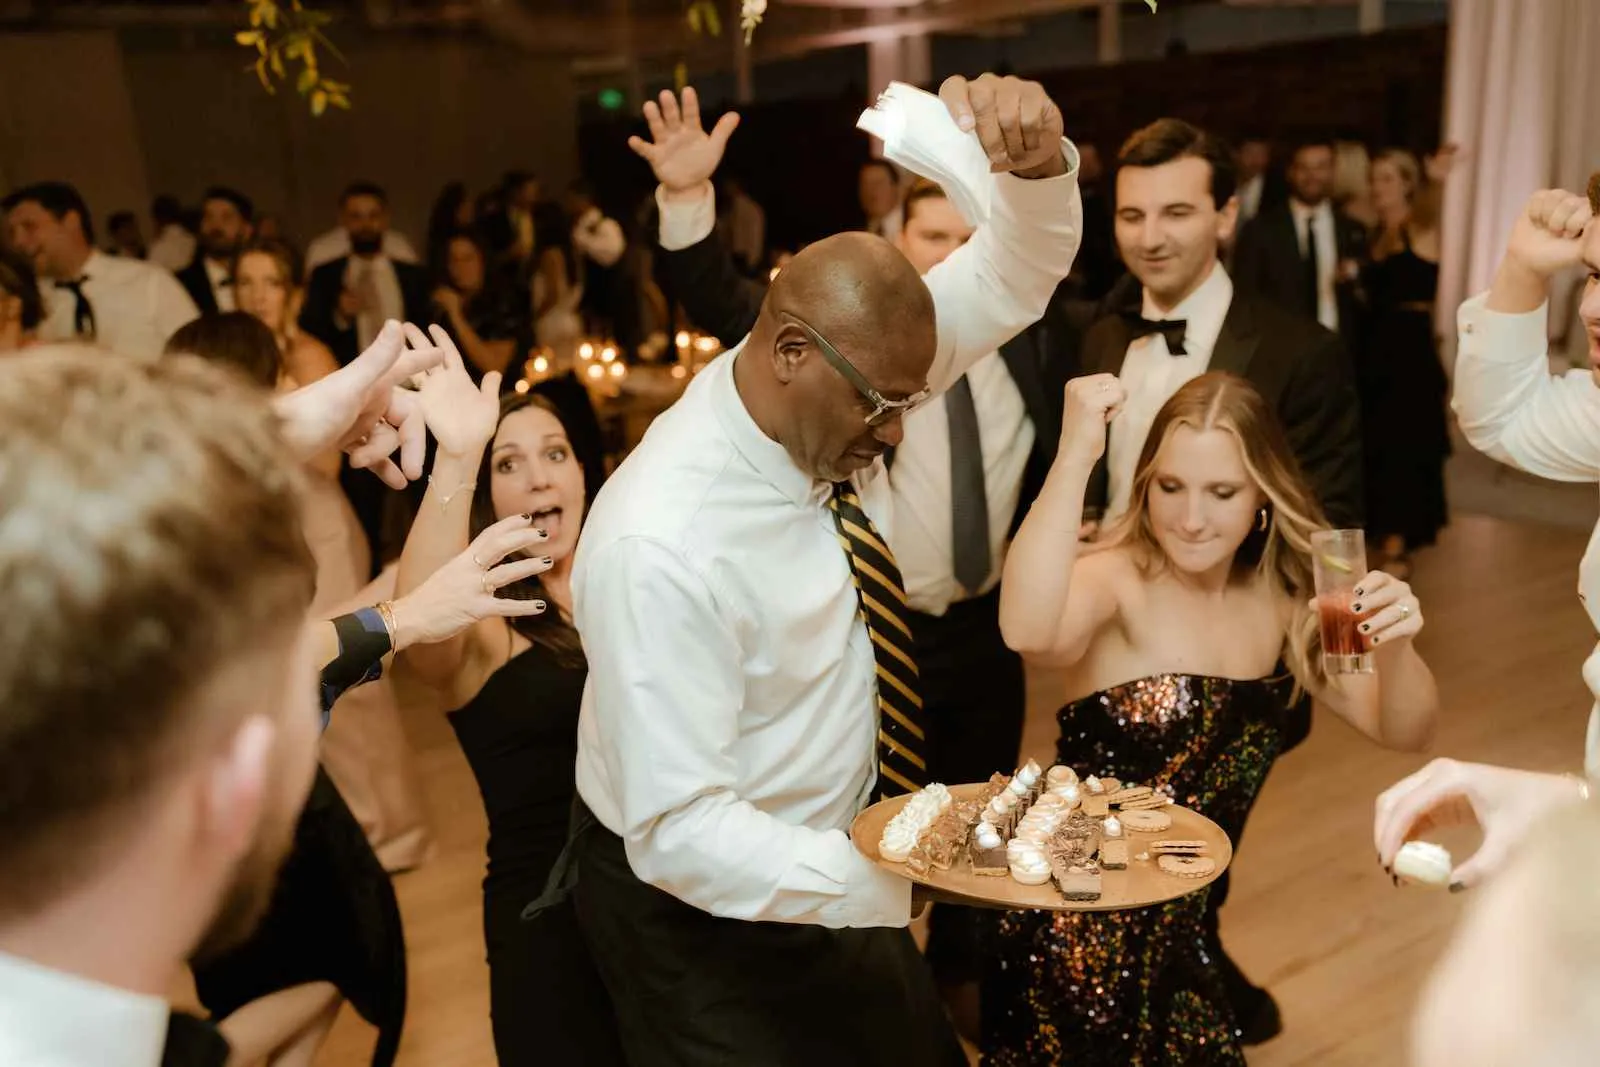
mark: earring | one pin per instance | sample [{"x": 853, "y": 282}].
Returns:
[{"x": 1261, "y": 524}]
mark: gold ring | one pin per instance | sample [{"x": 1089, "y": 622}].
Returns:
[
  {"x": 488, "y": 586},
  {"x": 479, "y": 562},
  {"x": 1405, "y": 611}
]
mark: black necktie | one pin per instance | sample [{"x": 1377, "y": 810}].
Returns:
[
  {"x": 1172, "y": 329},
  {"x": 969, "y": 497},
  {"x": 1312, "y": 280},
  {"x": 82, "y": 312},
  {"x": 881, "y": 594}
]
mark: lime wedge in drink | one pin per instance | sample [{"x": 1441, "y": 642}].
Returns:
[{"x": 1334, "y": 563}]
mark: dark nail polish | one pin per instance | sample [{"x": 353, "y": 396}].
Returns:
[
  {"x": 527, "y": 516},
  {"x": 1377, "y": 640},
  {"x": 1356, "y": 608},
  {"x": 1361, "y": 592},
  {"x": 548, "y": 562},
  {"x": 1458, "y": 887},
  {"x": 539, "y": 604},
  {"x": 1396, "y": 879},
  {"x": 544, "y": 535},
  {"x": 1366, "y": 627}
]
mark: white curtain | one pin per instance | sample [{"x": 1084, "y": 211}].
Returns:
[{"x": 1522, "y": 83}]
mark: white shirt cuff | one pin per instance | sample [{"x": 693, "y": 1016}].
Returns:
[
  {"x": 686, "y": 222},
  {"x": 1500, "y": 337},
  {"x": 875, "y": 898}
]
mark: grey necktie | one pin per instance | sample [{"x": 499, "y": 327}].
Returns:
[{"x": 970, "y": 501}]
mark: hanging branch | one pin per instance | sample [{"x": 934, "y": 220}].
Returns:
[{"x": 289, "y": 34}]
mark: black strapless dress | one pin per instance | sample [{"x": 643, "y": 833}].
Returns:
[
  {"x": 1137, "y": 988},
  {"x": 520, "y": 735},
  {"x": 1404, "y": 400}
]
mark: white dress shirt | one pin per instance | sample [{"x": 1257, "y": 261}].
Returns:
[
  {"x": 172, "y": 249},
  {"x": 221, "y": 285},
  {"x": 335, "y": 244},
  {"x": 137, "y": 305},
  {"x": 924, "y": 499},
  {"x": 1151, "y": 374},
  {"x": 1250, "y": 197},
  {"x": 729, "y": 722},
  {"x": 378, "y": 286},
  {"x": 1321, "y": 218},
  {"x": 1511, "y": 408},
  {"x": 52, "y": 1019}
]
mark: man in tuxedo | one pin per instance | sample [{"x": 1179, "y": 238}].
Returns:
[
  {"x": 1305, "y": 254},
  {"x": 878, "y": 190},
  {"x": 1175, "y": 208},
  {"x": 961, "y": 480},
  {"x": 227, "y": 221},
  {"x": 348, "y": 300}
]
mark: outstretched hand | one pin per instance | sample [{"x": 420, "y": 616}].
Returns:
[
  {"x": 462, "y": 415},
  {"x": 362, "y": 410},
  {"x": 682, "y": 154}
]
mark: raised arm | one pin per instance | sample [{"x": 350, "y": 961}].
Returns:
[
  {"x": 463, "y": 418},
  {"x": 1052, "y": 602},
  {"x": 701, "y": 271},
  {"x": 665, "y": 689},
  {"x": 1000, "y": 282},
  {"x": 1509, "y": 404}
]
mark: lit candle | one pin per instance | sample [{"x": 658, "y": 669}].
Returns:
[
  {"x": 618, "y": 369},
  {"x": 683, "y": 339},
  {"x": 607, "y": 354},
  {"x": 679, "y": 371},
  {"x": 586, "y": 351},
  {"x": 596, "y": 372},
  {"x": 522, "y": 385},
  {"x": 541, "y": 365}
]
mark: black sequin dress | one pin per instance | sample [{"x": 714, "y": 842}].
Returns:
[{"x": 1137, "y": 988}]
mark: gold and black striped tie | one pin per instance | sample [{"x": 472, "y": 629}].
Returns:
[{"x": 882, "y": 594}]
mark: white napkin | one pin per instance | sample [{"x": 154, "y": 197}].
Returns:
[{"x": 919, "y": 135}]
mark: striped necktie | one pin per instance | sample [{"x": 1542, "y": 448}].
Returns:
[{"x": 901, "y": 743}]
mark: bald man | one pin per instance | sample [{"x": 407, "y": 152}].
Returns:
[{"x": 751, "y": 684}]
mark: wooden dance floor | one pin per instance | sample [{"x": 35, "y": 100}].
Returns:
[{"x": 1311, "y": 915}]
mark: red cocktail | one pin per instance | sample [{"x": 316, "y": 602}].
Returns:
[{"x": 1339, "y": 562}]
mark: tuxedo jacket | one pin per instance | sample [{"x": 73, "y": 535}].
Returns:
[
  {"x": 322, "y": 301},
  {"x": 198, "y": 283},
  {"x": 1300, "y": 369},
  {"x": 1268, "y": 263},
  {"x": 725, "y": 303}
]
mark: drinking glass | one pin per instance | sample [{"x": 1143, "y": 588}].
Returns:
[{"x": 1339, "y": 561}]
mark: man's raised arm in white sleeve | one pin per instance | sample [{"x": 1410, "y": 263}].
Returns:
[{"x": 1509, "y": 404}]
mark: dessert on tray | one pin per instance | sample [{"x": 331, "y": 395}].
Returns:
[{"x": 1082, "y": 840}]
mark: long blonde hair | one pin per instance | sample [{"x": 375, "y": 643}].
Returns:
[{"x": 1281, "y": 553}]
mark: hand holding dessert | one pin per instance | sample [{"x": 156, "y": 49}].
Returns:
[{"x": 1506, "y": 804}]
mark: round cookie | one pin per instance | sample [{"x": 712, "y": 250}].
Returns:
[
  {"x": 1146, "y": 822},
  {"x": 1187, "y": 866}
]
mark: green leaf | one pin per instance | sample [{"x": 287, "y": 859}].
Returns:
[
  {"x": 277, "y": 65},
  {"x": 306, "y": 82},
  {"x": 680, "y": 76},
  {"x": 694, "y": 18},
  {"x": 261, "y": 73},
  {"x": 1152, "y": 4},
  {"x": 319, "y": 102},
  {"x": 248, "y": 38},
  {"x": 713, "y": 20}
]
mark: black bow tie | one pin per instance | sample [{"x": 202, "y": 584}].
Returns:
[{"x": 1171, "y": 329}]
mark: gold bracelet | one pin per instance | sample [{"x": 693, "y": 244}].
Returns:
[
  {"x": 445, "y": 498},
  {"x": 386, "y": 613}
]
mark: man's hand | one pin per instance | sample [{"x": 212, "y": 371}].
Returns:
[
  {"x": 1548, "y": 236},
  {"x": 1017, "y": 123},
  {"x": 361, "y": 409},
  {"x": 1547, "y": 239},
  {"x": 682, "y": 154}
]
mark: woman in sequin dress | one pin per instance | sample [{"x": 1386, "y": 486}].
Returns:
[{"x": 1174, "y": 633}]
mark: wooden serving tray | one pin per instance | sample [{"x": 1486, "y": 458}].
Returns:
[{"x": 1140, "y": 886}]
